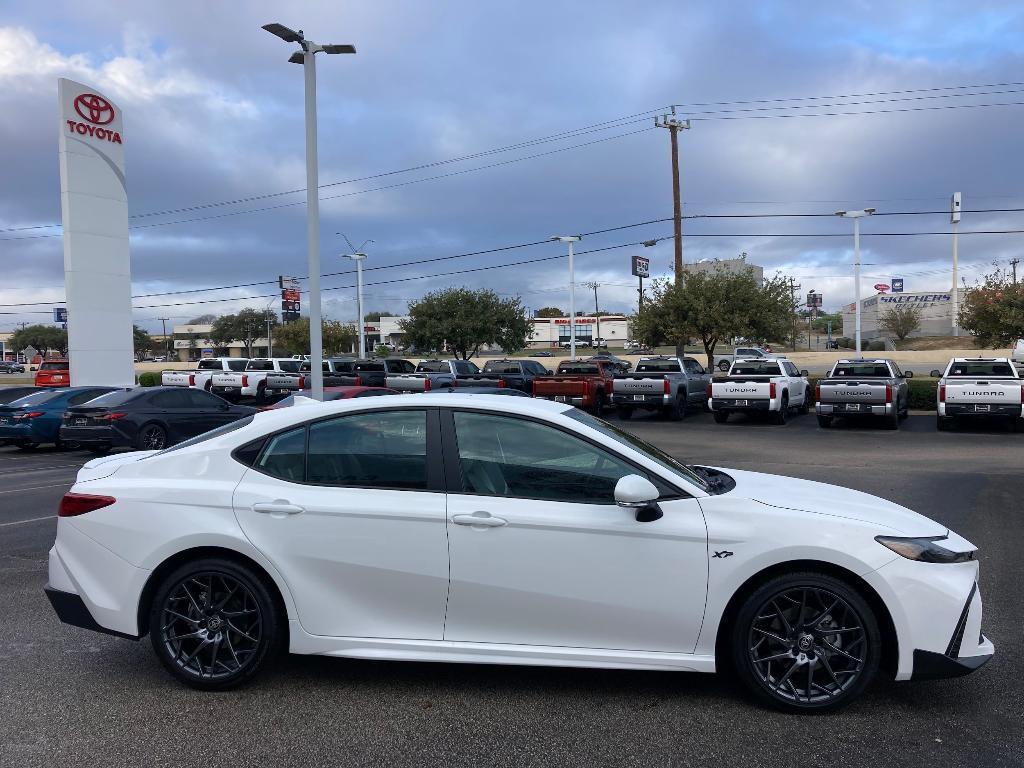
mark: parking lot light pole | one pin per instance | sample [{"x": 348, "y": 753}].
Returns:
[
  {"x": 856, "y": 216},
  {"x": 570, "y": 239},
  {"x": 359, "y": 258},
  {"x": 305, "y": 56}
]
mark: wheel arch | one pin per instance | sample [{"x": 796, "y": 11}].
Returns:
[
  {"x": 197, "y": 553},
  {"x": 890, "y": 638}
]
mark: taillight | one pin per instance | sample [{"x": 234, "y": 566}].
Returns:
[
  {"x": 501, "y": 383},
  {"x": 817, "y": 391},
  {"x": 79, "y": 503},
  {"x": 112, "y": 416},
  {"x": 191, "y": 379},
  {"x": 709, "y": 390},
  {"x": 29, "y": 415},
  {"x": 426, "y": 384},
  {"x": 359, "y": 381},
  {"x": 302, "y": 382},
  {"x": 666, "y": 386},
  {"x": 942, "y": 393},
  {"x": 771, "y": 391},
  {"x": 888, "y": 393},
  {"x": 245, "y": 380}
]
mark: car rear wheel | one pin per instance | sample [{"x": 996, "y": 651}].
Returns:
[
  {"x": 806, "y": 642},
  {"x": 214, "y": 624},
  {"x": 152, "y": 437},
  {"x": 943, "y": 423},
  {"x": 824, "y": 422},
  {"x": 599, "y": 403},
  {"x": 27, "y": 445},
  {"x": 677, "y": 410},
  {"x": 780, "y": 416},
  {"x": 893, "y": 420},
  {"x": 625, "y": 413}
]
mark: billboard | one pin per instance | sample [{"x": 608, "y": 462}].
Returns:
[
  {"x": 60, "y": 314},
  {"x": 289, "y": 283},
  {"x": 290, "y": 305},
  {"x": 641, "y": 266},
  {"x": 814, "y": 300},
  {"x": 897, "y": 285}
]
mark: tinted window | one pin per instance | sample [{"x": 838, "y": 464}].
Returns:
[
  {"x": 859, "y": 370},
  {"x": 237, "y": 365},
  {"x": 575, "y": 369},
  {"x": 37, "y": 399},
  {"x": 285, "y": 456},
  {"x": 169, "y": 399},
  {"x": 657, "y": 366},
  {"x": 505, "y": 456},
  {"x": 981, "y": 369},
  {"x": 54, "y": 366},
  {"x": 402, "y": 366},
  {"x": 755, "y": 368},
  {"x": 501, "y": 367},
  {"x": 85, "y": 397},
  {"x": 368, "y": 366},
  {"x": 692, "y": 366},
  {"x": 748, "y": 351},
  {"x": 289, "y": 366},
  {"x": 433, "y": 366},
  {"x": 342, "y": 366},
  {"x": 118, "y": 397},
  {"x": 466, "y": 366},
  {"x": 387, "y": 449},
  {"x": 260, "y": 365},
  {"x": 222, "y": 430},
  {"x": 209, "y": 365},
  {"x": 199, "y": 399}
]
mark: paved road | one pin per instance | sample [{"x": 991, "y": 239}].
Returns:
[{"x": 70, "y": 697}]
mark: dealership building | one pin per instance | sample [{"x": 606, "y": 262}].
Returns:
[{"x": 936, "y": 313}]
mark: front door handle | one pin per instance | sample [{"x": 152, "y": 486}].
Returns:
[
  {"x": 482, "y": 519},
  {"x": 278, "y": 507}
]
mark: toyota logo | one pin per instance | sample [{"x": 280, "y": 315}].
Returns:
[{"x": 95, "y": 109}]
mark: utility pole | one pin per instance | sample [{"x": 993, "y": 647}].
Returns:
[
  {"x": 674, "y": 124},
  {"x": 794, "y": 286},
  {"x": 954, "y": 220},
  {"x": 167, "y": 347},
  {"x": 1013, "y": 265},
  {"x": 594, "y": 286}
]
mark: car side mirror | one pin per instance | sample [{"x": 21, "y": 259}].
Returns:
[
  {"x": 804, "y": 372},
  {"x": 908, "y": 374},
  {"x": 549, "y": 372},
  {"x": 936, "y": 373},
  {"x": 639, "y": 493}
]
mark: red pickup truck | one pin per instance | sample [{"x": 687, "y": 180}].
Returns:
[{"x": 585, "y": 384}]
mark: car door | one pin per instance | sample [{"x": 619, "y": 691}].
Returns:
[
  {"x": 351, "y": 510},
  {"x": 208, "y": 411},
  {"x": 173, "y": 409},
  {"x": 696, "y": 380},
  {"x": 541, "y": 555}
]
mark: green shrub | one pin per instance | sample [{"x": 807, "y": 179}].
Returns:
[
  {"x": 845, "y": 342},
  {"x": 875, "y": 346},
  {"x": 149, "y": 379},
  {"x": 923, "y": 394}
]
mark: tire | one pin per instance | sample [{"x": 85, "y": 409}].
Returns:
[
  {"x": 790, "y": 623},
  {"x": 209, "y": 383},
  {"x": 261, "y": 393},
  {"x": 805, "y": 407},
  {"x": 677, "y": 410},
  {"x": 824, "y": 422},
  {"x": 943, "y": 423},
  {"x": 195, "y": 625},
  {"x": 599, "y": 403},
  {"x": 624, "y": 413},
  {"x": 26, "y": 445},
  {"x": 720, "y": 417},
  {"x": 151, "y": 437},
  {"x": 723, "y": 366},
  {"x": 893, "y": 421},
  {"x": 780, "y": 416}
]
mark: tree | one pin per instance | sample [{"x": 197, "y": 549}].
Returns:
[
  {"x": 246, "y": 326},
  {"x": 207, "y": 319},
  {"x": 465, "y": 320},
  {"x": 713, "y": 306},
  {"x": 374, "y": 317},
  {"x": 901, "y": 320},
  {"x": 45, "y": 338},
  {"x": 993, "y": 312},
  {"x": 338, "y": 338},
  {"x": 550, "y": 312},
  {"x": 141, "y": 341}
]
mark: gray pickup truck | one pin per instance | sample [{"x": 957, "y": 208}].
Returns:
[
  {"x": 860, "y": 388},
  {"x": 670, "y": 385},
  {"x": 431, "y": 374}
]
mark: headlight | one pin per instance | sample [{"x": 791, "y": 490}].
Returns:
[{"x": 924, "y": 549}]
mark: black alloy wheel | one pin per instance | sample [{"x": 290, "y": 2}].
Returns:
[
  {"x": 677, "y": 410},
  {"x": 213, "y": 624},
  {"x": 152, "y": 437},
  {"x": 806, "y": 642},
  {"x": 723, "y": 366}
]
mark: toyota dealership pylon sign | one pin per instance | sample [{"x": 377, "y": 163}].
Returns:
[{"x": 94, "y": 213}]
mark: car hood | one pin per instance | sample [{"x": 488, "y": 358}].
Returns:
[{"x": 833, "y": 501}]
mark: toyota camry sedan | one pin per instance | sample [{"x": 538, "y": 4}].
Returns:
[{"x": 473, "y": 528}]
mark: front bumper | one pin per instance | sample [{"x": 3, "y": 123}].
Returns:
[{"x": 854, "y": 409}]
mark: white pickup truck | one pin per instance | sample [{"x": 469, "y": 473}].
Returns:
[
  {"x": 201, "y": 377},
  {"x": 252, "y": 382},
  {"x": 722, "y": 362},
  {"x": 757, "y": 385},
  {"x": 979, "y": 388}
]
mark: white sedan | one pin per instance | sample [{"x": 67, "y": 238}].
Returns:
[{"x": 474, "y": 528}]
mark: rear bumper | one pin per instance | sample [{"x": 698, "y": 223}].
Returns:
[
  {"x": 99, "y": 435},
  {"x": 1000, "y": 410},
  {"x": 71, "y": 609},
  {"x": 579, "y": 402},
  {"x": 854, "y": 409},
  {"x": 641, "y": 400},
  {"x": 730, "y": 404},
  {"x": 33, "y": 433}
]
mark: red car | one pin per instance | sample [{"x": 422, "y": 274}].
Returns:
[
  {"x": 333, "y": 393},
  {"x": 53, "y": 373}
]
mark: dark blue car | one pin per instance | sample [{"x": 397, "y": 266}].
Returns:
[{"x": 36, "y": 418}]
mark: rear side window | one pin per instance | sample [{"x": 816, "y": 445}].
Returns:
[
  {"x": 119, "y": 397},
  {"x": 237, "y": 365},
  {"x": 386, "y": 449},
  {"x": 85, "y": 397},
  {"x": 285, "y": 456},
  {"x": 171, "y": 398}
]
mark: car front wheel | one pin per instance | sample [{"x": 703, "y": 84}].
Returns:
[
  {"x": 214, "y": 624},
  {"x": 806, "y": 642}
]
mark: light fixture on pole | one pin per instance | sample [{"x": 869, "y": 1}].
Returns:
[
  {"x": 856, "y": 216},
  {"x": 570, "y": 239},
  {"x": 358, "y": 257},
  {"x": 305, "y": 56}
]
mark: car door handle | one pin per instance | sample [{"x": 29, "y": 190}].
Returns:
[
  {"x": 279, "y": 507},
  {"x": 483, "y": 519}
]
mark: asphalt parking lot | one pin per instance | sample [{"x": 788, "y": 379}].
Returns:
[{"x": 71, "y": 697}]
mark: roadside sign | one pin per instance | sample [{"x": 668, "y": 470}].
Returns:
[
  {"x": 641, "y": 266},
  {"x": 814, "y": 300},
  {"x": 289, "y": 283},
  {"x": 207, "y": 352},
  {"x": 60, "y": 314},
  {"x": 881, "y": 287},
  {"x": 897, "y": 285}
]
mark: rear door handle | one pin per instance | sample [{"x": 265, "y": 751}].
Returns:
[
  {"x": 279, "y": 507},
  {"x": 482, "y": 519}
]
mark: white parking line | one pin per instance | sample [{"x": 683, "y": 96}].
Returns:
[
  {"x": 30, "y": 520},
  {"x": 37, "y": 487}
]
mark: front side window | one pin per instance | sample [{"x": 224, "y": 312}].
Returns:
[
  {"x": 170, "y": 398},
  {"x": 383, "y": 449},
  {"x": 516, "y": 458}
]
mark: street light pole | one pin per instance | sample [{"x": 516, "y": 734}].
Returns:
[
  {"x": 571, "y": 239},
  {"x": 856, "y": 216},
  {"x": 954, "y": 220},
  {"x": 359, "y": 258},
  {"x": 306, "y": 57}
]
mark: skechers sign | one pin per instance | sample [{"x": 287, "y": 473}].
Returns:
[
  {"x": 918, "y": 299},
  {"x": 97, "y": 111}
]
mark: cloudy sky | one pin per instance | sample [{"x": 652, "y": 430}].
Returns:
[{"x": 538, "y": 117}]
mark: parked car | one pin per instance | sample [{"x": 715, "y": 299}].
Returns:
[
  {"x": 374, "y": 371},
  {"x": 336, "y": 371},
  {"x": 670, "y": 385},
  {"x": 201, "y": 377},
  {"x": 53, "y": 373},
  {"x": 772, "y": 387},
  {"x": 620, "y": 365},
  {"x": 542, "y": 353},
  {"x": 34, "y": 419},
  {"x": 432, "y": 374},
  {"x": 586, "y": 384},
  {"x": 722, "y": 362},
  {"x": 516, "y": 374},
  {"x": 979, "y": 388},
  {"x": 505, "y": 530},
  {"x": 147, "y": 419},
  {"x": 6, "y": 366},
  {"x": 1018, "y": 354},
  {"x": 331, "y": 393},
  {"x": 864, "y": 388},
  {"x": 252, "y": 382},
  {"x": 9, "y": 394}
]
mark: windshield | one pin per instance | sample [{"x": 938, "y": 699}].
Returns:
[
  {"x": 37, "y": 399},
  {"x": 209, "y": 365},
  {"x": 60, "y": 365},
  {"x": 632, "y": 441},
  {"x": 982, "y": 368},
  {"x": 577, "y": 370},
  {"x": 858, "y": 370},
  {"x": 755, "y": 368},
  {"x": 261, "y": 365},
  {"x": 658, "y": 366}
]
